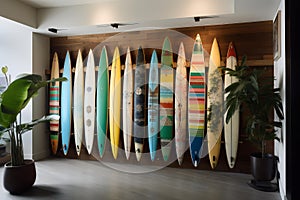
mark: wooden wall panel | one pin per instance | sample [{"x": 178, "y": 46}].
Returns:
[{"x": 251, "y": 39}]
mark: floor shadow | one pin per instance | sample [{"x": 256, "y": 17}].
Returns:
[{"x": 41, "y": 191}]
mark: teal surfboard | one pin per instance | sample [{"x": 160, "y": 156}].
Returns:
[
  {"x": 102, "y": 101},
  {"x": 166, "y": 99},
  {"x": 66, "y": 91},
  {"x": 153, "y": 117}
]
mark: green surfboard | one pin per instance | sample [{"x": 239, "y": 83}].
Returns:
[{"x": 102, "y": 101}]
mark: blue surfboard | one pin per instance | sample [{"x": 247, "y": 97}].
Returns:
[
  {"x": 66, "y": 91},
  {"x": 153, "y": 106}
]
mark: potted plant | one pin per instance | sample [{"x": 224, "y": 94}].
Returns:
[
  {"x": 256, "y": 95},
  {"x": 19, "y": 174}
]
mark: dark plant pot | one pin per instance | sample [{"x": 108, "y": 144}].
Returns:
[
  {"x": 263, "y": 168},
  {"x": 18, "y": 179},
  {"x": 2, "y": 149}
]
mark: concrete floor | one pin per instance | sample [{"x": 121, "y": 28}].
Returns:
[{"x": 77, "y": 179}]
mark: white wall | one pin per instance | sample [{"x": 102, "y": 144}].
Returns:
[
  {"x": 40, "y": 56},
  {"x": 280, "y": 75},
  {"x": 16, "y": 53},
  {"x": 26, "y": 52}
]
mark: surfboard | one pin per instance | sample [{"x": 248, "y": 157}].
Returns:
[
  {"x": 54, "y": 104},
  {"x": 115, "y": 103},
  {"x": 181, "y": 105},
  {"x": 153, "y": 107},
  {"x": 102, "y": 101},
  {"x": 66, "y": 103},
  {"x": 196, "y": 101},
  {"x": 231, "y": 130},
  {"x": 89, "y": 102},
  {"x": 166, "y": 99},
  {"x": 139, "y": 104},
  {"x": 214, "y": 105},
  {"x": 127, "y": 104},
  {"x": 78, "y": 94}
]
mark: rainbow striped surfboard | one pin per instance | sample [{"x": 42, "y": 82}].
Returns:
[
  {"x": 196, "y": 101},
  {"x": 54, "y": 104},
  {"x": 166, "y": 99}
]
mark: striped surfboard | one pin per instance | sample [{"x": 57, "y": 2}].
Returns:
[
  {"x": 78, "y": 94},
  {"x": 153, "y": 117},
  {"x": 139, "y": 104},
  {"x": 166, "y": 99},
  {"x": 231, "y": 130},
  {"x": 66, "y": 102},
  {"x": 214, "y": 105},
  {"x": 89, "y": 103},
  {"x": 102, "y": 101},
  {"x": 181, "y": 105},
  {"x": 196, "y": 101},
  {"x": 127, "y": 104},
  {"x": 54, "y": 104}
]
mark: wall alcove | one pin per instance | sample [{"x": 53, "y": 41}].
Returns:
[{"x": 251, "y": 39}]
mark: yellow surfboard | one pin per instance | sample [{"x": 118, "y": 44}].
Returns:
[
  {"x": 214, "y": 105},
  {"x": 115, "y": 103}
]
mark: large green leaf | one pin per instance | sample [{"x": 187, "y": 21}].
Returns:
[
  {"x": 18, "y": 94},
  {"x": 13, "y": 97}
]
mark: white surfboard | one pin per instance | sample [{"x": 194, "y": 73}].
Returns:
[
  {"x": 127, "y": 104},
  {"x": 181, "y": 85},
  {"x": 231, "y": 130},
  {"x": 78, "y": 94},
  {"x": 89, "y": 102}
]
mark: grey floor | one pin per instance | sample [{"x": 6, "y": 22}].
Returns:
[{"x": 77, "y": 179}]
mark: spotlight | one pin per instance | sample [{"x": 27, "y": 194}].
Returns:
[
  {"x": 197, "y": 19},
  {"x": 115, "y": 25},
  {"x": 53, "y": 30}
]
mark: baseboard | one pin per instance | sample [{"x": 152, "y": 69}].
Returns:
[
  {"x": 38, "y": 156},
  {"x": 41, "y": 155}
]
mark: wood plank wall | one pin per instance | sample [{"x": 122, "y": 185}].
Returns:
[{"x": 253, "y": 40}]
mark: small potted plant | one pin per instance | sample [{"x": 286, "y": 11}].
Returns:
[
  {"x": 19, "y": 174},
  {"x": 256, "y": 95}
]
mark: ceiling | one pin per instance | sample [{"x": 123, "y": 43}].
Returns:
[
  {"x": 60, "y": 3},
  {"x": 244, "y": 11}
]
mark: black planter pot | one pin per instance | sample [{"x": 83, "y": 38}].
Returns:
[
  {"x": 2, "y": 150},
  {"x": 263, "y": 169},
  {"x": 18, "y": 179}
]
